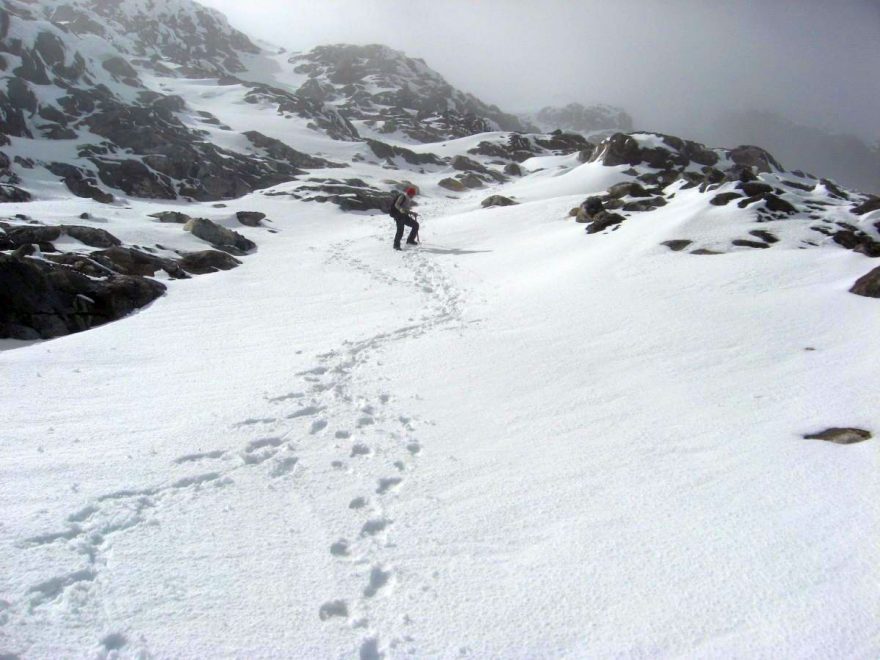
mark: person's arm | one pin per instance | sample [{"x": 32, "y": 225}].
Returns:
[{"x": 400, "y": 203}]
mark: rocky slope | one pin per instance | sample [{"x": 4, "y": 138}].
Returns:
[{"x": 595, "y": 121}]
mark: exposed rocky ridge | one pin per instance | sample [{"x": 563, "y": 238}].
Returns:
[
  {"x": 124, "y": 136},
  {"x": 595, "y": 121},
  {"x": 49, "y": 293},
  {"x": 392, "y": 93},
  {"x": 662, "y": 165}
]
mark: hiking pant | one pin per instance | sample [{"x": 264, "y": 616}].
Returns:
[{"x": 402, "y": 220}]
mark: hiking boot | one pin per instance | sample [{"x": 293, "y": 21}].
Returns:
[
  {"x": 397, "y": 247},
  {"x": 411, "y": 242}
]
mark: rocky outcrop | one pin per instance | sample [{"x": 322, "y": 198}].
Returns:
[
  {"x": 220, "y": 237},
  {"x": 207, "y": 261},
  {"x": 40, "y": 300},
  {"x": 589, "y": 120},
  {"x": 497, "y": 200},
  {"x": 868, "y": 285},
  {"x": 840, "y": 436},
  {"x": 250, "y": 218}
]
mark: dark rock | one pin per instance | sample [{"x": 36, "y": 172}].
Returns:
[
  {"x": 604, "y": 220},
  {"x": 764, "y": 235},
  {"x": 465, "y": 164},
  {"x": 170, "y": 217},
  {"x": 471, "y": 180},
  {"x": 705, "y": 251},
  {"x": 676, "y": 245},
  {"x": 777, "y": 204},
  {"x": 754, "y": 157},
  {"x": 868, "y": 285},
  {"x": 452, "y": 184},
  {"x": 834, "y": 189},
  {"x": 82, "y": 187},
  {"x": 250, "y": 218},
  {"x": 219, "y": 237},
  {"x": 498, "y": 200},
  {"x": 389, "y": 152},
  {"x": 13, "y": 194},
  {"x": 513, "y": 169},
  {"x": 39, "y": 300},
  {"x": 207, "y": 261},
  {"x": 641, "y": 205},
  {"x": 92, "y": 236},
  {"x": 84, "y": 216},
  {"x": 722, "y": 199},
  {"x": 752, "y": 244},
  {"x": 277, "y": 150},
  {"x": 33, "y": 234},
  {"x": 129, "y": 261},
  {"x": 135, "y": 178},
  {"x": 627, "y": 188},
  {"x": 840, "y": 436},
  {"x": 752, "y": 188},
  {"x": 872, "y": 204}
]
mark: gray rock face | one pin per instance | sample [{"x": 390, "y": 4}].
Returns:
[
  {"x": 92, "y": 236},
  {"x": 840, "y": 436},
  {"x": 220, "y": 237},
  {"x": 171, "y": 217},
  {"x": 250, "y": 218},
  {"x": 207, "y": 261},
  {"x": 868, "y": 285},
  {"x": 39, "y": 300},
  {"x": 130, "y": 261},
  {"x": 498, "y": 200}
]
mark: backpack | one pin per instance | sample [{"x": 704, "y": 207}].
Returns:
[{"x": 388, "y": 203}]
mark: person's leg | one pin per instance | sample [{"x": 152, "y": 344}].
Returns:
[
  {"x": 414, "y": 232},
  {"x": 399, "y": 233}
]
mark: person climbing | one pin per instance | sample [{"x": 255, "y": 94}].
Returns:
[{"x": 403, "y": 216}]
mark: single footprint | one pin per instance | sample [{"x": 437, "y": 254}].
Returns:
[
  {"x": 343, "y": 435},
  {"x": 370, "y": 650},
  {"x": 305, "y": 412},
  {"x": 318, "y": 425},
  {"x": 378, "y": 579},
  {"x": 366, "y": 420},
  {"x": 387, "y": 484},
  {"x": 333, "y": 608},
  {"x": 374, "y": 526},
  {"x": 358, "y": 503},
  {"x": 414, "y": 448},
  {"x": 340, "y": 548},
  {"x": 359, "y": 449},
  {"x": 283, "y": 466}
]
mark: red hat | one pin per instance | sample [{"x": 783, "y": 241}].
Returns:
[{"x": 411, "y": 192}]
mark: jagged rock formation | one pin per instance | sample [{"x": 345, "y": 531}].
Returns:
[
  {"x": 595, "y": 121},
  {"x": 392, "y": 93}
]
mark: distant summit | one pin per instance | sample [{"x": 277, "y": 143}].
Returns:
[
  {"x": 395, "y": 94},
  {"x": 594, "y": 121}
]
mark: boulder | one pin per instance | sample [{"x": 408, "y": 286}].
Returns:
[
  {"x": 676, "y": 245},
  {"x": 627, "y": 188},
  {"x": 219, "y": 237},
  {"x": 452, "y": 184},
  {"x": 207, "y": 261},
  {"x": 250, "y": 218},
  {"x": 754, "y": 157},
  {"x": 175, "y": 217},
  {"x": 465, "y": 164},
  {"x": 13, "y": 194},
  {"x": 92, "y": 236},
  {"x": 39, "y": 300},
  {"x": 752, "y": 188},
  {"x": 722, "y": 199},
  {"x": 130, "y": 261},
  {"x": 28, "y": 234},
  {"x": 604, "y": 220},
  {"x": 471, "y": 180},
  {"x": 513, "y": 169},
  {"x": 868, "y": 285},
  {"x": 498, "y": 200},
  {"x": 82, "y": 187},
  {"x": 840, "y": 436},
  {"x": 778, "y": 204},
  {"x": 872, "y": 204}
]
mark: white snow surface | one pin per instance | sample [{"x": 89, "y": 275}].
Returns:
[
  {"x": 564, "y": 446},
  {"x": 516, "y": 440}
]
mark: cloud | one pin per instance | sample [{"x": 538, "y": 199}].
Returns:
[{"x": 673, "y": 64}]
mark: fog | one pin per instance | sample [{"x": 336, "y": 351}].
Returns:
[{"x": 675, "y": 65}]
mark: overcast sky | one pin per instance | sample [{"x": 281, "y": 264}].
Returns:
[{"x": 673, "y": 64}]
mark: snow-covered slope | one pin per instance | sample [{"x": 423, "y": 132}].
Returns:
[{"x": 537, "y": 434}]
